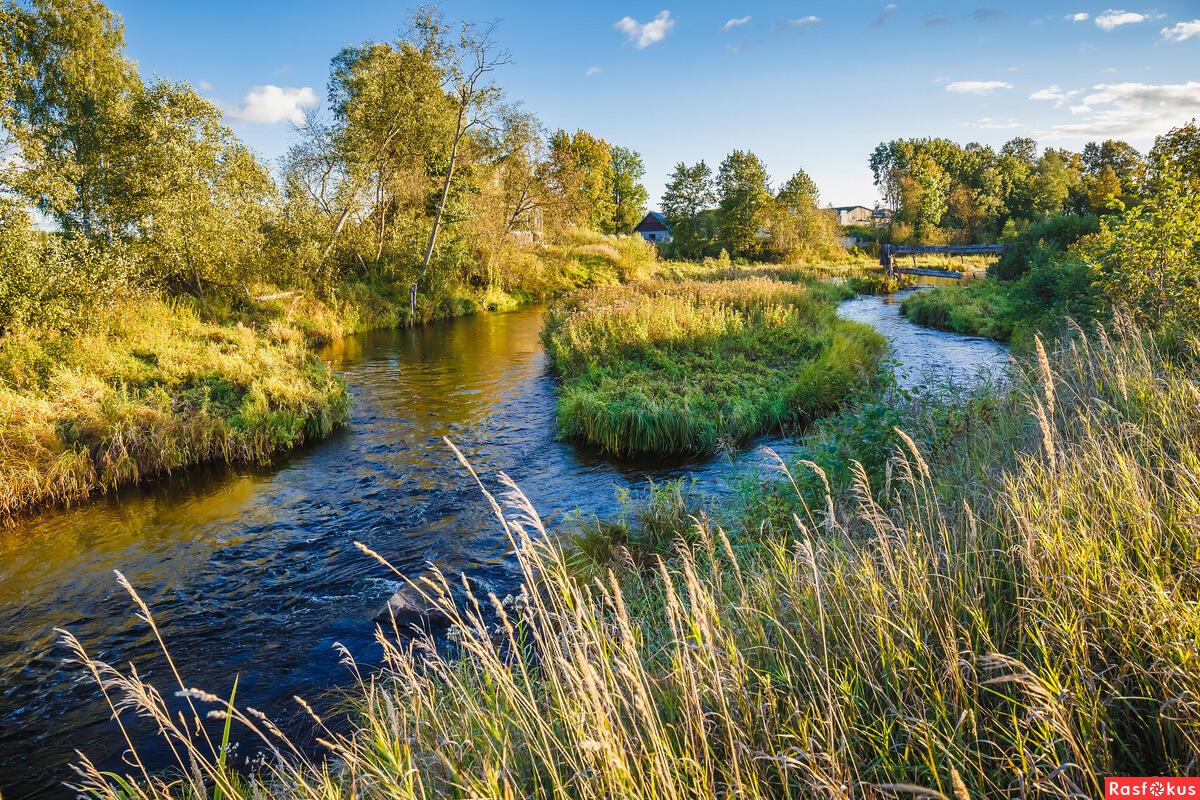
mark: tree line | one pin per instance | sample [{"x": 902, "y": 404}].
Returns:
[
  {"x": 946, "y": 193},
  {"x": 737, "y": 213},
  {"x": 421, "y": 175}
]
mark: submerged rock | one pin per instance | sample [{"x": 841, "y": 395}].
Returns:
[{"x": 409, "y": 608}]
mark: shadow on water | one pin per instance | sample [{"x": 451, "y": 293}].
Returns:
[{"x": 252, "y": 571}]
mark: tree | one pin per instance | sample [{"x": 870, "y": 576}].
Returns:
[
  {"x": 1125, "y": 161},
  {"x": 391, "y": 117},
  {"x": 686, "y": 200},
  {"x": 198, "y": 198},
  {"x": 799, "y": 192},
  {"x": 1149, "y": 257},
  {"x": 1052, "y": 182},
  {"x": 1180, "y": 147},
  {"x": 581, "y": 173},
  {"x": 743, "y": 203},
  {"x": 1021, "y": 147},
  {"x": 466, "y": 65},
  {"x": 1104, "y": 193},
  {"x": 924, "y": 193},
  {"x": 628, "y": 194},
  {"x": 68, "y": 108}
]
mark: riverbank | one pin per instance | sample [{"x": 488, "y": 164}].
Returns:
[
  {"x": 1018, "y": 543},
  {"x": 686, "y": 367},
  {"x": 148, "y": 386}
]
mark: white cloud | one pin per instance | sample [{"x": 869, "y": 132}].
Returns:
[
  {"x": 1132, "y": 110},
  {"x": 271, "y": 104},
  {"x": 1079, "y": 16},
  {"x": 204, "y": 86},
  {"x": 994, "y": 124},
  {"x": 976, "y": 87},
  {"x": 882, "y": 19},
  {"x": 802, "y": 22},
  {"x": 592, "y": 71},
  {"x": 1055, "y": 94},
  {"x": 1115, "y": 18},
  {"x": 736, "y": 22},
  {"x": 648, "y": 33},
  {"x": 1182, "y": 31}
]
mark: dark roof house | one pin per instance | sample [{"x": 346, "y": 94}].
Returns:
[{"x": 654, "y": 228}]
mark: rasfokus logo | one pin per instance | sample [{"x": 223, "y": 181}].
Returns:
[{"x": 1152, "y": 788}]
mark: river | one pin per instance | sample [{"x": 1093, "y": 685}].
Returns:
[{"x": 253, "y": 572}]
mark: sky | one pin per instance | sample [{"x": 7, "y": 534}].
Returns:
[{"x": 811, "y": 85}]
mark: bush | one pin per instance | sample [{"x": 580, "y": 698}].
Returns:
[
  {"x": 52, "y": 282},
  {"x": 1042, "y": 242}
]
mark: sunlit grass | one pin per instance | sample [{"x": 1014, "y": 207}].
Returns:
[
  {"x": 1016, "y": 617},
  {"x": 688, "y": 366},
  {"x": 151, "y": 388}
]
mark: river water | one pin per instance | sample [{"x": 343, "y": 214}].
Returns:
[{"x": 253, "y": 572}]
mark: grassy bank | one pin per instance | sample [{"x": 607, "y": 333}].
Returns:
[
  {"x": 148, "y": 388},
  {"x": 687, "y": 366},
  {"x": 1015, "y": 608},
  {"x": 519, "y": 275},
  {"x": 980, "y": 308}
]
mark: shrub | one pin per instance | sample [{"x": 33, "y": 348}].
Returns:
[
  {"x": 52, "y": 282},
  {"x": 1042, "y": 242}
]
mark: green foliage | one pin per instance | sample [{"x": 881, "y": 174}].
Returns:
[
  {"x": 692, "y": 366},
  {"x": 947, "y": 193},
  {"x": 583, "y": 176},
  {"x": 687, "y": 204},
  {"x": 1041, "y": 242},
  {"x": 743, "y": 203},
  {"x": 629, "y": 195},
  {"x": 1179, "y": 147},
  {"x": 1148, "y": 259},
  {"x": 55, "y": 283}
]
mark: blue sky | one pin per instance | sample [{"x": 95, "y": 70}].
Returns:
[{"x": 803, "y": 84}]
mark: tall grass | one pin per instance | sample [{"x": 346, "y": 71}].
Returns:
[
  {"x": 147, "y": 389},
  {"x": 687, "y": 366},
  {"x": 1017, "y": 618}
]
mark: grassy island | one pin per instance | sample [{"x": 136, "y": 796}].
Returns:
[{"x": 685, "y": 367}]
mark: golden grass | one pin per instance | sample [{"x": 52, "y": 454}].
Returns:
[{"x": 148, "y": 389}]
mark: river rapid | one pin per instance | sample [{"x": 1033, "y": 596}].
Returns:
[{"x": 252, "y": 571}]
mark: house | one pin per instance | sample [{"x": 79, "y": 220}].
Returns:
[
  {"x": 853, "y": 215},
  {"x": 653, "y": 228}
]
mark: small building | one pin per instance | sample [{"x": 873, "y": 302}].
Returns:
[
  {"x": 854, "y": 215},
  {"x": 654, "y": 228}
]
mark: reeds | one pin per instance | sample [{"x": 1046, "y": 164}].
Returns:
[{"x": 1016, "y": 618}]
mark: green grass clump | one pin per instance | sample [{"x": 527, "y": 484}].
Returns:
[
  {"x": 688, "y": 366},
  {"x": 979, "y": 308},
  {"x": 147, "y": 388}
]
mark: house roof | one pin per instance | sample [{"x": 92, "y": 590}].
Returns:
[
  {"x": 653, "y": 221},
  {"x": 849, "y": 208}
]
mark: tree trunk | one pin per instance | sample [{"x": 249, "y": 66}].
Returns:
[{"x": 441, "y": 209}]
